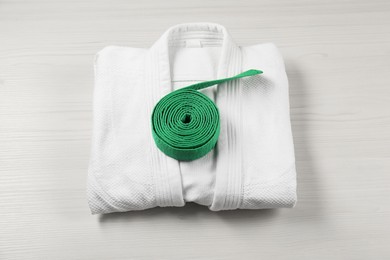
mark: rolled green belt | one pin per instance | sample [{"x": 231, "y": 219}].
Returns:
[{"x": 185, "y": 123}]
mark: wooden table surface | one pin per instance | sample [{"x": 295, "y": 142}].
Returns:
[{"x": 337, "y": 56}]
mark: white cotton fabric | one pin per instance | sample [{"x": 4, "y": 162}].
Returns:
[{"x": 252, "y": 166}]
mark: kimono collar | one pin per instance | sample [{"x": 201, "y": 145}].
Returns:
[
  {"x": 158, "y": 83},
  {"x": 229, "y": 61}
]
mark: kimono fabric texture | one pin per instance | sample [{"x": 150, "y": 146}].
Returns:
[{"x": 246, "y": 160}]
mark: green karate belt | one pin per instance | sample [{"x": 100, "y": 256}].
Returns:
[{"x": 185, "y": 123}]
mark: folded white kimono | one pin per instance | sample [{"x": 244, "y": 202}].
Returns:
[{"x": 252, "y": 165}]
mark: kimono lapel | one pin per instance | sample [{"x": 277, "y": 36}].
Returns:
[{"x": 167, "y": 176}]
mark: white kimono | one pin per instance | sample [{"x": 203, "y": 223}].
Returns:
[{"x": 252, "y": 165}]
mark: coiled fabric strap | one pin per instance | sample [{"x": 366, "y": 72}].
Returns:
[{"x": 185, "y": 123}]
